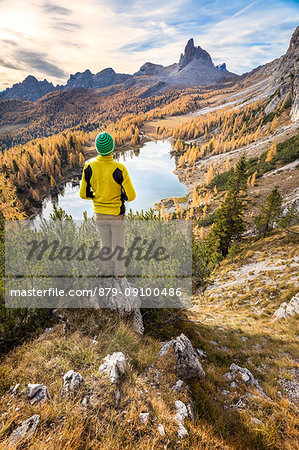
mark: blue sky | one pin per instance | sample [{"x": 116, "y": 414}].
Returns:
[{"x": 51, "y": 39}]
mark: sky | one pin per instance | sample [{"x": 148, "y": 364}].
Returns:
[{"x": 53, "y": 39}]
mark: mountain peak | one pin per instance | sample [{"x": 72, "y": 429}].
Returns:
[
  {"x": 294, "y": 42},
  {"x": 191, "y": 52},
  {"x": 222, "y": 67},
  {"x": 30, "y": 78},
  {"x": 108, "y": 70}
]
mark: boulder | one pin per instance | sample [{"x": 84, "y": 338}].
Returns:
[
  {"x": 178, "y": 386},
  {"x": 287, "y": 309},
  {"x": 247, "y": 377},
  {"x": 13, "y": 390},
  {"x": 84, "y": 401},
  {"x": 36, "y": 393},
  {"x": 117, "y": 398},
  {"x": 114, "y": 366},
  {"x": 181, "y": 415},
  {"x": 256, "y": 421},
  {"x": 27, "y": 428},
  {"x": 182, "y": 411},
  {"x": 71, "y": 382},
  {"x": 191, "y": 411},
  {"x": 189, "y": 366}
]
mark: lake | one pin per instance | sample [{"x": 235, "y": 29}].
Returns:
[{"x": 151, "y": 170}]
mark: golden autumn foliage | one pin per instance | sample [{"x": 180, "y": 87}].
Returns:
[
  {"x": 271, "y": 153},
  {"x": 210, "y": 174},
  {"x": 26, "y": 168},
  {"x": 252, "y": 182},
  {"x": 9, "y": 204},
  {"x": 220, "y": 131}
]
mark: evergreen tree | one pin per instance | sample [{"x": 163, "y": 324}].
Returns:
[
  {"x": 290, "y": 217},
  {"x": 229, "y": 222},
  {"x": 270, "y": 214},
  {"x": 71, "y": 142},
  {"x": 15, "y": 166}
]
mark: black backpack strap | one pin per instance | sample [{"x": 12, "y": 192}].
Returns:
[
  {"x": 87, "y": 175},
  {"x": 119, "y": 178}
]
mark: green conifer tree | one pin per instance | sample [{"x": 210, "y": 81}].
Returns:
[
  {"x": 270, "y": 214},
  {"x": 229, "y": 223}
]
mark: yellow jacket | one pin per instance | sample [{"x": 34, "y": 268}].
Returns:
[{"x": 108, "y": 184}]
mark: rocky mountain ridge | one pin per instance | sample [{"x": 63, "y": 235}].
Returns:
[
  {"x": 194, "y": 67},
  {"x": 282, "y": 78},
  {"x": 30, "y": 89}
]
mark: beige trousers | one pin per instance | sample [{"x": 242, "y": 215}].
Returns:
[{"x": 112, "y": 234}]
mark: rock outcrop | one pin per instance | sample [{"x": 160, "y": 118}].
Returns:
[
  {"x": 104, "y": 78},
  {"x": 36, "y": 393},
  {"x": 161, "y": 430},
  {"x": 283, "y": 78},
  {"x": 149, "y": 69},
  {"x": 27, "y": 428},
  {"x": 287, "y": 309},
  {"x": 246, "y": 376},
  {"x": 191, "y": 53},
  {"x": 221, "y": 67},
  {"x": 144, "y": 417},
  {"x": 196, "y": 67},
  {"x": 288, "y": 71},
  {"x": 71, "y": 382},
  {"x": 114, "y": 366},
  {"x": 181, "y": 415},
  {"x": 189, "y": 366}
]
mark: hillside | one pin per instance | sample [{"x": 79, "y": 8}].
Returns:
[
  {"x": 231, "y": 324},
  {"x": 223, "y": 374}
]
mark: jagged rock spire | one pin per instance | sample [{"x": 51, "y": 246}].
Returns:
[{"x": 191, "y": 52}]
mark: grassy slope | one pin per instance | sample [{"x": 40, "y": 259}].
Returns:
[{"x": 233, "y": 320}]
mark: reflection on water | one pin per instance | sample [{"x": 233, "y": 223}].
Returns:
[{"x": 151, "y": 171}]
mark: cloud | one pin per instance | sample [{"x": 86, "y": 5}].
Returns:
[
  {"x": 67, "y": 26},
  {"x": 56, "y": 9},
  {"x": 8, "y": 65},
  {"x": 53, "y": 39},
  {"x": 38, "y": 61},
  {"x": 256, "y": 34}
]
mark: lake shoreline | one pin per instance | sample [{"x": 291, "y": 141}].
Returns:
[{"x": 151, "y": 167}]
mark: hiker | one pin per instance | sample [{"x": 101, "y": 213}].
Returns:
[{"x": 108, "y": 184}]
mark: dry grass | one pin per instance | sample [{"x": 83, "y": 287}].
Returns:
[
  {"x": 235, "y": 326},
  {"x": 240, "y": 317}
]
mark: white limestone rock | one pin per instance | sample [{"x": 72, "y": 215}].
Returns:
[
  {"x": 247, "y": 377},
  {"x": 161, "y": 430},
  {"x": 287, "y": 309},
  {"x": 71, "y": 382},
  {"x": 144, "y": 417},
  {"x": 182, "y": 432},
  {"x": 36, "y": 393},
  {"x": 182, "y": 411},
  {"x": 114, "y": 366},
  {"x": 27, "y": 428}
]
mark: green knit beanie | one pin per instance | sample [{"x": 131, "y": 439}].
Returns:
[{"x": 104, "y": 143}]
